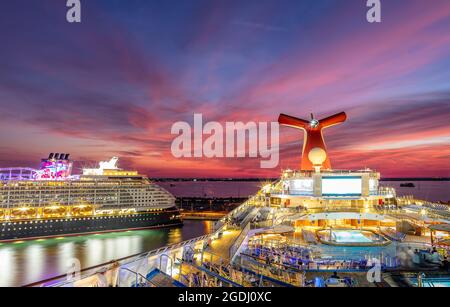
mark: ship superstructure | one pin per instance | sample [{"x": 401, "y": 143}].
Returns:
[
  {"x": 51, "y": 201},
  {"x": 317, "y": 197}
]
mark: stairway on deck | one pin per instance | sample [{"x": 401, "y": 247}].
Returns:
[{"x": 161, "y": 279}]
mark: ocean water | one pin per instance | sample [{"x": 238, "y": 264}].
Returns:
[
  {"x": 222, "y": 189},
  {"x": 433, "y": 191},
  {"x": 26, "y": 262}
]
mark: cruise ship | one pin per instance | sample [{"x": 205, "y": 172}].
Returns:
[{"x": 51, "y": 202}]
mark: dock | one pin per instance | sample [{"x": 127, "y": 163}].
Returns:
[{"x": 207, "y": 215}]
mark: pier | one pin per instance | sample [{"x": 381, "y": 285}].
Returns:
[
  {"x": 201, "y": 204},
  {"x": 207, "y": 215}
]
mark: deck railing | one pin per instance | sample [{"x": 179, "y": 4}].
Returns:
[
  {"x": 62, "y": 280},
  {"x": 238, "y": 242}
]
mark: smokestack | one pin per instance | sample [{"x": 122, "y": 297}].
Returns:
[
  {"x": 56, "y": 156},
  {"x": 67, "y": 157},
  {"x": 50, "y": 156}
]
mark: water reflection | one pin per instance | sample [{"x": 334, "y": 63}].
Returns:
[
  {"x": 208, "y": 226},
  {"x": 7, "y": 266},
  {"x": 34, "y": 261},
  {"x": 66, "y": 252},
  {"x": 175, "y": 236},
  {"x": 26, "y": 262}
]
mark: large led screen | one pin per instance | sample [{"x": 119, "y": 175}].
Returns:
[{"x": 341, "y": 186}]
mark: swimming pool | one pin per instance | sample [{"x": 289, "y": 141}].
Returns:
[{"x": 351, "y": 237}]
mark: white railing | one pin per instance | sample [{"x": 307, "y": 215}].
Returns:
[{"x": 234, "y": 248}]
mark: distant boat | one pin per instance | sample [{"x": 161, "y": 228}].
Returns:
[{"x": 407, "y": 185}]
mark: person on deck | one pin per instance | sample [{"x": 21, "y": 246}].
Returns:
[{"x": 335, "y": 276}]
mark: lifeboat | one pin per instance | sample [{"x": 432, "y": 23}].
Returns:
[
  {"x": 54, "y": 211},
  {"x": 82, "y": 210},
  {"x": 23, "y": 213}
]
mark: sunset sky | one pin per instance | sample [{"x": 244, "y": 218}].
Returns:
[{"x": 115, "y": 84}]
